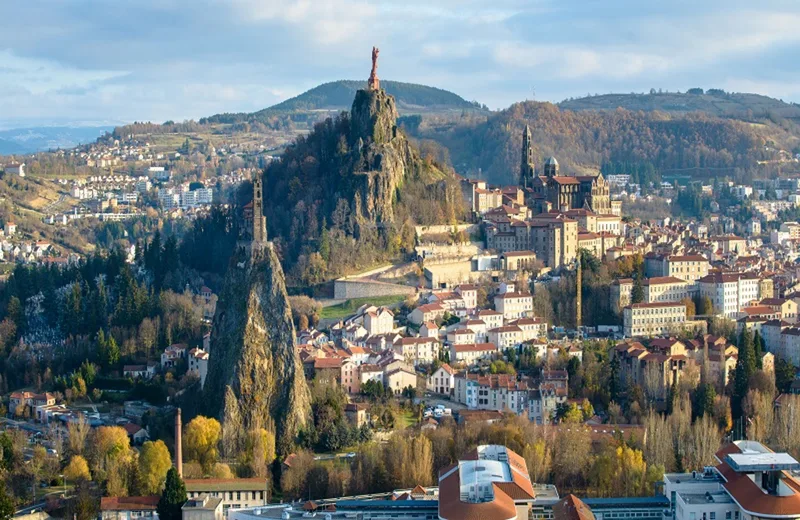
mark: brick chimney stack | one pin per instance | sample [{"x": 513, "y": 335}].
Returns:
[{"x": 178, "y": 443}]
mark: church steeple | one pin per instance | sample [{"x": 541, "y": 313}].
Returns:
[
  {"x": 526, "y": 168},
  {"x": 259, "y": 221}
]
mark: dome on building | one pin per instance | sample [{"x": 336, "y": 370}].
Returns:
[{"x": 551, "y": 161}]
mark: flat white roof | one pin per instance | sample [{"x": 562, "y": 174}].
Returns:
[
  {"x": 477, "y": 476},
  {"x": 768, "y": 461}
]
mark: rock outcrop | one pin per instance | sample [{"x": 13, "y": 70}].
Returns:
[
  {"x": 256, "y": 380},
  {"x": 383, "y": 157}
]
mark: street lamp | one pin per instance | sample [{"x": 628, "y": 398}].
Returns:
[{"x": 64, "y": 483}]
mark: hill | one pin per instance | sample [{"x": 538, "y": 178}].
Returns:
[
  {"x": 712, "y": 102},
  {"x": 336, "y": 96},
  {"x": 44, "y": 138},
  {"x": 615, "y": 141},
  {"x": 348, "y": 195}
]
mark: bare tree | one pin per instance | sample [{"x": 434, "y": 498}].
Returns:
[
  {"x": 659, "y": 445},
  {"x": 759, "y": 407},
  {"x": 77, "y": 432},
  {"x": 786, "y": 426},
  {"x": 704, "y": 443}
]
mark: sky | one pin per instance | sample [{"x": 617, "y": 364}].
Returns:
[{"x": 111, "y": 61}]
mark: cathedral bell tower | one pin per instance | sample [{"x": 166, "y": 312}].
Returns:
[{"x": 526, "y": 169}]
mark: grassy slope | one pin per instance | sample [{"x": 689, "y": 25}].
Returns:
[{"x": 347, "y": 308}]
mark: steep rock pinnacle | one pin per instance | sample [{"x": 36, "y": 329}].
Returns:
[{"x": 256, "y": 380}]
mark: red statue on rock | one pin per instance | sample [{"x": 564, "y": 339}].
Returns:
[{"x": 373, "y": 83}]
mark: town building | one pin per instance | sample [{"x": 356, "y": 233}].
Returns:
[
  {"x": 471, "y": 353},
  {"x": 128, "y": 508},
  {"x": 729, "y": 292},
  {"x": 491, "y": 482},
  {"x": 514, "y": 305},
  {"x": 233, "y": 493},
  {"x": 686, "y": 267},
  {"x": 749, "y": 482},
  {"x": 653, "y": 319},
  {"x": 204, "y": 507},
  {"x": 442, "y": 381},
  {"x": 418, "y": 350},
  {"x": 198, "y": 364}
]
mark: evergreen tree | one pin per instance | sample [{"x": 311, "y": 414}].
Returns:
[
  {"x": 6, "y": 503},
  {"x": 745, "y": 368},
  {"x": 613, "y": 379},
  {"x": 172, "y": 498},
  {"x": 758, "y": 346},
  {"x": 672, "y": 396},
  {"x": 637, "y": 292}
]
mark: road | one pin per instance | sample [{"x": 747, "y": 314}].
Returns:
[
  {"x": 50, "y": 208},
  {"x": 430, "y": 399}
]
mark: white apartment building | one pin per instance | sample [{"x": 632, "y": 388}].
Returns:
[
  {"x": 653, "y": 319},
  {"x": 729, "y": 292},
  {"x": 198, "y": 364},
  {"x": 469, "y": 293},
  {"x": 514, "y": 305},
  {"x": 532, "y": 328},
  {"x": 492, "y": 392},
  {"x": 506, "y": 336},
  {"x": 666, "y": 289},
  {"x": 491, "y": 319},
  {"x": 442, "y": 381},
  {"x": 469, "y": 354},
  {"x": 379, "y": 321},
  {"x": 418, "y": 350},
  {"x": 686, "y": 267}
]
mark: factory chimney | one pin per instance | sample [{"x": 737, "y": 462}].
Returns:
[{"x": 178, "y": 443}]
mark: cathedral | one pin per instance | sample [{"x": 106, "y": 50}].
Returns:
[{"x": 552, "y": 191}]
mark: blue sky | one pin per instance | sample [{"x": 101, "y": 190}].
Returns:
[{"x": 125, "y": 60}]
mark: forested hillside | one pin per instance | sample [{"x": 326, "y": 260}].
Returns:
[
  {"x": 713, "y": 102},
  {"x": 618, "y": 140}
]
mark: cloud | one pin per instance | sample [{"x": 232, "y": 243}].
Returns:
[
  {"x": 175, "y": 59},
  {"x": 324, "y": 21},
  {"x": 39, "y": 76}
]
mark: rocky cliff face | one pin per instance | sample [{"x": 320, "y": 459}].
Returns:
[
  {"x": 383, "y": 157},
  {"x": 256, "y": 379}
]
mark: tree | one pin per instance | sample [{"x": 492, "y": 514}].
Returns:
[
  {"x": 110, "y": 447},
  {"x": 704, "y": 399},
  {"x": 637, "y": 292},
  {"x": 745, "y": 368},
  {"x": 758, "y": 349},
  {"x": 538, "y": 459},
  {"x": 691, "y": 309},
  {"x": 172, "y": 498},
  {"x": 293, "y": 478},
  {"x": 6, "y": 503},
  {"x": 77, "y": 432},
  {"x": 760, "y": 409},
  {"x": 201, "y": 439},
  {"x": 784, "y": 375},
  {"x": 154, "y": 462},
  {"x": 77, "y": 469}
]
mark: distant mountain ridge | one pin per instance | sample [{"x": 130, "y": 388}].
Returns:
[
  {"x": 44, "y": 138},
  {"x": 713, "y": 102},
  {"x": 338, "y": 96}
]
